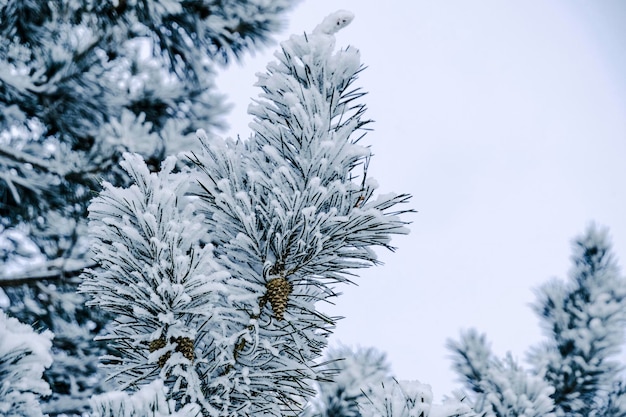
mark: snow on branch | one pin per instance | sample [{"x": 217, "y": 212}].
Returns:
[
  {"x": 24, "y": 355},
  {"x": 56, "y": 269},
  {"x": 393, "y": 398},
  {"x": 149, "y": 401},
  {"x": 334, "y": 22}
]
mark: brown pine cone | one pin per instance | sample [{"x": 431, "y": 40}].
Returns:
[{"x": 278, "y": 291}]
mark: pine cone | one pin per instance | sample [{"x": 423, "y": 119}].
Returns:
[
  {"x": 185, "y": 346},
  {"x": 278, "y": 291},
  {"x": 163, "y": 359},
  {"x": 158, "y": 344}
]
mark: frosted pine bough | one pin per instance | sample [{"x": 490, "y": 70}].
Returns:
[
  {"x": 234, "y": 254},
  {"x": 24, "y": 355}
]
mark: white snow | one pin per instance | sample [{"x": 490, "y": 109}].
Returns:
[
  {"x": 334, "y": 22},
  {"x": 24, "y": 355}
]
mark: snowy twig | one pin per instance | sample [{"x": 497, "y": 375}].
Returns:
[
  {"x": 25, "y": 158},
  {"x": 52, "y": 270}
]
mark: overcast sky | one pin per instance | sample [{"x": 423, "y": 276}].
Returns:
[{"x": 506, "y": 121}]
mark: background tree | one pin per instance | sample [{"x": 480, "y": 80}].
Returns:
[
  {"x": 584, "y": 320},
  {"x": 84, "y": 82},
  {"x": 81, "y": 83}
]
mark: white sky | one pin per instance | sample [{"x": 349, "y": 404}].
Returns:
[{"x": 507, "y": 123}]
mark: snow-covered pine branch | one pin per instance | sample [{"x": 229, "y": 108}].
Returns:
[
  {"x": 24, "y": 355},
  {"x": 150, "y": 401},
  {"x": 500, "y": 387},
  {"x": 393, "y": 398},
  {"x": 286, "y": 210},
  {"x": 291, "y": 193},
  {"x": 351, "y": 372},
  {"x": 168, "y": 294}
]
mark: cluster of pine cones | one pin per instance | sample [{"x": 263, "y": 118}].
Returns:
[
  {"x": 278, "y": 292},
  {"x": 184, "y": 345}
]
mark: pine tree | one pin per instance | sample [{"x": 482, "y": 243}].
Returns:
[
  {"x": 76, "y": 93},
  {"x": 80, "y": 84},
  {"x": 214, "y": 273},
  {"x": 574, "y": 373},
  {"x": 584, "y": 320}
]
